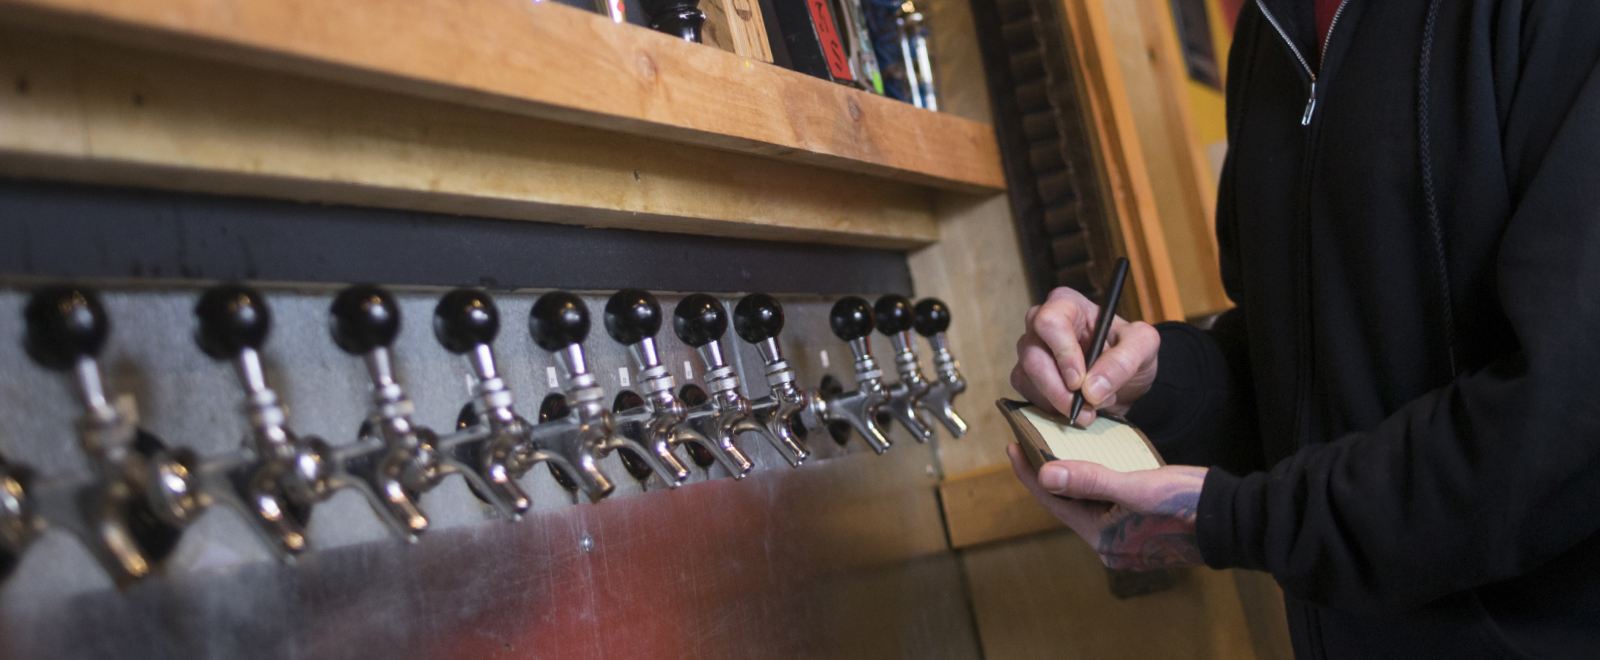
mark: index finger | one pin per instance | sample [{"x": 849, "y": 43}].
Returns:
[{"x": 1062, "y": 324}]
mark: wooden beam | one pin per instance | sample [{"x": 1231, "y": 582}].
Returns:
[
  {"x": 989, "y": 505},
  {"x": 84, "y": 110},
  {"x": 549, "y": 61},
  {"x": 1126, "y": 175},
  {"x": 1187, "y": 193}
]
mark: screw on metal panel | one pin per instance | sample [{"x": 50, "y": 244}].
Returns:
[{"x": 586, "y": 544}]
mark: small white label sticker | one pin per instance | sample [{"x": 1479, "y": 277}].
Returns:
[
  {"x": 550, "y": 375},
  {"x": 469, "y": 380},
  {"x": 688, "y": 370},
  {"x": 823, "y": 355},
  {"x": 622, "y": 376}
]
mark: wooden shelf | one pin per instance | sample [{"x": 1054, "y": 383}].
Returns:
[
  {"x": 551, "y": 62},
  {"x": 79, "y": 109}
]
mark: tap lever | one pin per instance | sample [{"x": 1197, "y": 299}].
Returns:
[
  {"x": 281, "y": 475},
  {"x": 233, "y": 323},
  {"x": 851, "y": 321},
  {"x": 131, "y": 511},
  {"x": 758, "y": 319},
  {"x": 893, "y": 316},
  {"x": 932, "y": 319},
  {"x": 559, "y": 322},
  {"x": 699, "y": 321},
  {"x": 491, "y": 450},
  {"x": 395, "y": 460},
  {"x": 66, "y": 329},
  {"x": 647, "y": 431}
]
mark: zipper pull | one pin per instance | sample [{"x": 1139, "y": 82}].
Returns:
[{"x": 1311, "y": 106}]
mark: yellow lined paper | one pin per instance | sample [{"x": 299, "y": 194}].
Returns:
[{"x": 1112, "y": 444}]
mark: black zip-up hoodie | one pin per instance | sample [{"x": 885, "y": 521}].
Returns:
[{"x": 1402, "y": 410}]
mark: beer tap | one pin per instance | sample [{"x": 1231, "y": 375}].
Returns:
[
  {"x": 491, "y": 451},
  {"x": 700, "y": 322},
  {"x": 679, "y": 18},
  {"x": 131, "y": 511},
  {"x": 394, "y": 461},
  {"x": 652, "y": 429},
  {"x": 851, "y": 320},
  {"x": 278, "y": 476},
  {"x": 559, "y": 322},
  {"x": 19, "y": 523},
  {"x": 893, "y": 314},
  {"x": 758, "y": 319},
  {"x": 932, "y": 319}
]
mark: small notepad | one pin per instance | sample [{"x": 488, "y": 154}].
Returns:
[{"x": 1048, "y": 437}]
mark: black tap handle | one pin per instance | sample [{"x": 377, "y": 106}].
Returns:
[
  {"x": 558, "y": 320},
  {"x": 851, "y": 318},
  {"x": 932, "y": 317},
  {"x": 465, "y": 319},
  {"x": 758, "y": 317},
  {"x": 232, "y": 317},
  {"x": 64, "y": 324},
  {"x": 699, "y": 320},
  {"x": 892, "y": 314},
  {"x": 632, "y": 315},
  {"x": 364, "y": 317}
]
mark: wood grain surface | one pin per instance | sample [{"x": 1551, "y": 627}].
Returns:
[{"x": 549, "y": 61}]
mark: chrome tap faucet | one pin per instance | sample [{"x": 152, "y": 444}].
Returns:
[
  {"x": 573, "y": 442},
  {"x": 278, "y": 476},
  {"x": 758, "y": 319},
  {"x": 20, "y": 524},
  {"x": 394, "y": 461},
  {"x": 492, "y": 450},
  {"x": 131, "y": 510},
  {"x": 893, "y": 316},
  {"x": 851, "y": 320},
  {"x": 931, "y": 319},
  {"x": 653, "y": 427},
  {"x": 700, "y": 322}
]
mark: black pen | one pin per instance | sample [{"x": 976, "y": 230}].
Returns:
[{"x": 1102, "y": 327}]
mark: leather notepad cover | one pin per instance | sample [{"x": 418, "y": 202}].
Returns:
[{"x": 1109, "y": 441}]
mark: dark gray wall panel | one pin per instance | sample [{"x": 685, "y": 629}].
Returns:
[{"x": 57, "y": 230}]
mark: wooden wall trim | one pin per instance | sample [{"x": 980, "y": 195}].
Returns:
[
  {"x": 83, "y": 110},
  {"x": 1123, "y": 164},
  {"x": 553, "y": 62}
]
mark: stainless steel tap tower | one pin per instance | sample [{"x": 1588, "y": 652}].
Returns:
[{"x": 129, "y": 533}]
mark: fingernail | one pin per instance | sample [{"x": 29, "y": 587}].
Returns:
[
  {"x": 1099, "y": 387},
  {"x": 1053, "y": 477},
  {"x": 1073, "y": 378}
]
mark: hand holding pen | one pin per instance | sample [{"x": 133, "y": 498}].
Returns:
[{"x": 1055, "y": 358}]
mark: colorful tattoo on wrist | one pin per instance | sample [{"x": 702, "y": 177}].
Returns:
[{"x": 1161, "y": 538}]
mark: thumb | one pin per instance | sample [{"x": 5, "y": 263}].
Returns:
[{"x": 1085, "y": 481}]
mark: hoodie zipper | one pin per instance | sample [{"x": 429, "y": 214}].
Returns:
[{"x": 1311, "y": 99}]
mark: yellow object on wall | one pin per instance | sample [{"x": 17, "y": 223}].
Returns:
[{"x": 1206, "y": 102}]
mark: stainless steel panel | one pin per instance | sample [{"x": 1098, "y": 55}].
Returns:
[{"x": 842, "y": 556}]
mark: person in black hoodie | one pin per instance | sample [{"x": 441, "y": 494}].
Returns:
[{"x": 1400, "y": 416}]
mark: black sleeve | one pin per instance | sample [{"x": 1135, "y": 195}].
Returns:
[
  {"x": 1201, "y": 409},
  {"x": 1498, "y": 471}
]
